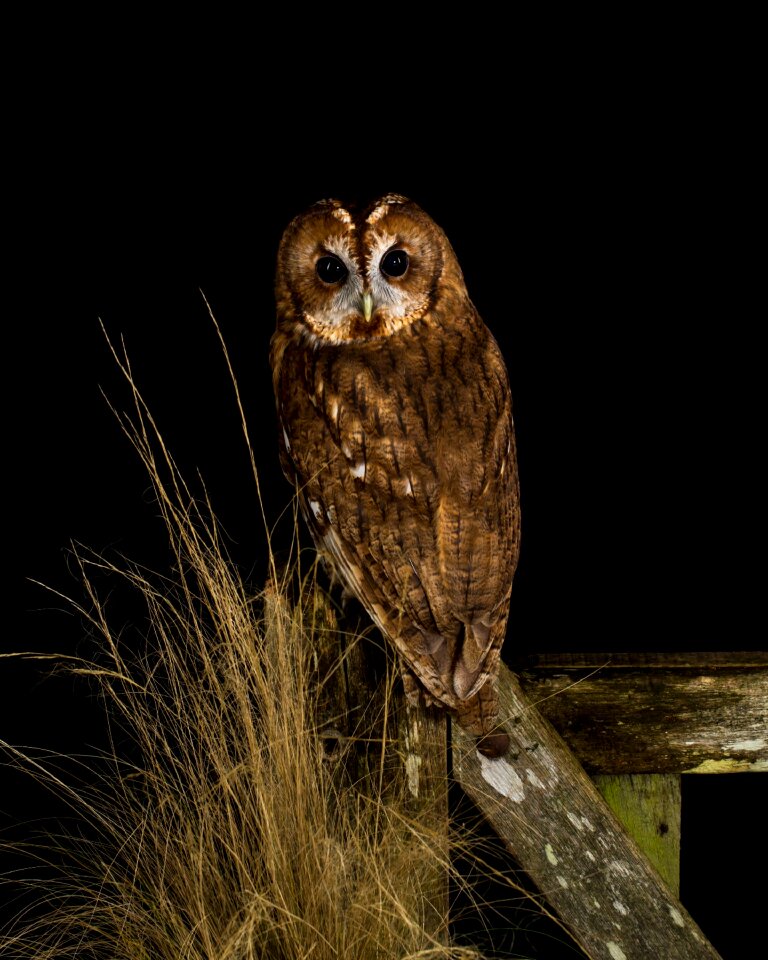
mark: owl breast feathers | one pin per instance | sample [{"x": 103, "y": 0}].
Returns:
[{"x": 396, "y": 426}]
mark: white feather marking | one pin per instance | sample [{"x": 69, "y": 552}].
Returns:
[
  {"x": 287, "y": 441},
  {"x": 408, "y": 488},
  {"x": 342, "y": 247},
  {"x": 379, "y": 617},
  {"x": 316, "y": 509},
  {"x": 334, "y": 410},
  {"x": 377, "y": 213},
  {"x": 341, "y": 214},
  {"x": 358, "y": 470},
  {"x": 381, "y": 208}
]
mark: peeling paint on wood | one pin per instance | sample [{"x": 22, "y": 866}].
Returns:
[{"x": 502, "y": 777}]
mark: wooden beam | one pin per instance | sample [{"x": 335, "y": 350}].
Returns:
[
  {"x": 655, "y": 712},
  {"x": 559, "y": 829}
]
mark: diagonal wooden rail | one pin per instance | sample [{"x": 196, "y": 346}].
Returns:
[{"x": 562, "y": 833}]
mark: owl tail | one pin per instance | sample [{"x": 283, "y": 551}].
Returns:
[{"x": 479, "y": 715}]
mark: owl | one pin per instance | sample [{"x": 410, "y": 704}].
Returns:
[{"x": 395, "y": 424}]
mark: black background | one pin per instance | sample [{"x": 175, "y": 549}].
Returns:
[{"x": 603, "y": 232}]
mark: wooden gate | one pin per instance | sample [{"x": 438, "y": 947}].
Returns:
[{"x": 587, "y": 801}]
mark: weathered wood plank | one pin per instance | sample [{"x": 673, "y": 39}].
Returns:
[
  {"x": 423, "y": 746},
  {"x": 648, "y": 805},
  {"x": 648, "y": 659},
  {"x": 656, "y": 713},
  {"x": 378, "y": 742},
  {"x": 561, "y": 832}
]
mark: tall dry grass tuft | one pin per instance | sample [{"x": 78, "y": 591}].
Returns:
[{"x": 219, "y": 833}]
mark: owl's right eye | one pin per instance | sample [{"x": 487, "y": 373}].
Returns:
[{"x": 330, "y": 269}]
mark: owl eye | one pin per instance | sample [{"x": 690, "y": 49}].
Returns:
[
  {"x": 330, "y": 269},
  {"x": 394, "y": 263}
]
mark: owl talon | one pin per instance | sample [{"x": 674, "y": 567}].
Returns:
[{"x": 493, "y": 744}]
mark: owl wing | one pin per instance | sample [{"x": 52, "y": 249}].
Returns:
[{"x": 405, "y": 460}]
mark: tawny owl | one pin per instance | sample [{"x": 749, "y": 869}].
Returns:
[{"x": 396, "y": 426}]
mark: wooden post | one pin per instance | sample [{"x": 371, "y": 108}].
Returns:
[
  {"x": 648, "y": 806},
  {"x": 423, "y": 745},
  {"x": 385, "y": 745},
  {"x": 557, "y": 826}
]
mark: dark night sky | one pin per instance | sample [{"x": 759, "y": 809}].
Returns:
[{"x": 601, "y": 251}]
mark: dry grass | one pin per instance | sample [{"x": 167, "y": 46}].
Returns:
[
  {"x": 229, "y": 839},
  {"x": 224, "y": 836}
]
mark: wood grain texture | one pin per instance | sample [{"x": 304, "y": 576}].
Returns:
[
  {"x": 657, "y": 712},
  {"x": 559, "y": 829}
]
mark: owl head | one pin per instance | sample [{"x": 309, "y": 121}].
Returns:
[{"x": 347, "y": 274}]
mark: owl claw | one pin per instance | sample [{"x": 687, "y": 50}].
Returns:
[{"x": 493, "y": 744}]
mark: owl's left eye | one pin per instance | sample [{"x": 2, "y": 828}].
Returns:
[
  {"x": 330, "y": 269},
  {"x": 394, "y": 263}
]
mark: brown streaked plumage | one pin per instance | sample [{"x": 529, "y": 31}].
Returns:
[{"x": 396, "y": 426}]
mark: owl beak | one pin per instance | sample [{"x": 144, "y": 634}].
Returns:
[{"x": 367, "y": 306}]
